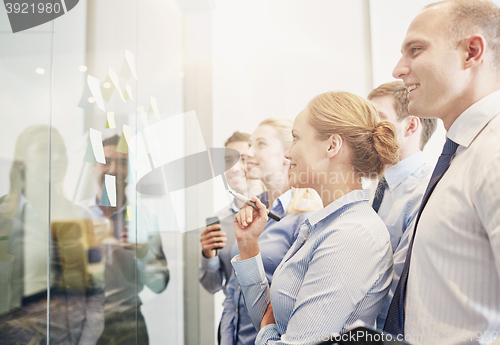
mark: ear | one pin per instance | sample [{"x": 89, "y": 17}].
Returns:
[
  {"x": 474, "y": 48},
  {"x": 412, "y": 125},
  {"x": 334, "y": 143}
]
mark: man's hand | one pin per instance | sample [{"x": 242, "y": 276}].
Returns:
[
  {"x": 210, "y": 239},
  {"x": 268, "y": 317},
  {"x": 248, "y": 225}
]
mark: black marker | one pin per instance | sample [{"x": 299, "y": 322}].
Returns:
[{"x": 252, "y": 204}]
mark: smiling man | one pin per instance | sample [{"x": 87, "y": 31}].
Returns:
[{"x": 449, "y": 287}]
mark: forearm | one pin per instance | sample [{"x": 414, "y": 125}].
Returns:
[
  {"x": 254, "y": 285},
  {"x": 211, "y": 274}
]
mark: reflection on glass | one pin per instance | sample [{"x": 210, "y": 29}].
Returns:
[
  {"x": 128, "y": 262},
  {"x": 44, "y": 254}
]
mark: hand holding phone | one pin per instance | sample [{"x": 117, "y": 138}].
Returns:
[{"x": 212, "y": 238}]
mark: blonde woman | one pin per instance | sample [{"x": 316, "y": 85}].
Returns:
[
  {"x": 266, "y": 161},
  {"x": 340, "y": 267}
]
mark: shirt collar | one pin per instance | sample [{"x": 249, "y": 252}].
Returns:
[
  {"x": 349, "y": 198},
  {"x": 468, "y": 125},
  {"x": 233, "y": 207},
  {"x": 396, "y": 174},
  {"x": 280, "y": 205}
]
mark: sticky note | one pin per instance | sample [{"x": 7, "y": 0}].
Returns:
[
  {"x": 122, "y": 145},
  {"x": 153, "y": 106},
  {"x": 110, "y": 182},
  {"x": 95, "y": 90},
  {"x": 130, "y": 213},
  {"x": 89, "y": 154},
  {"x": 110, "y": 119},
  {"x": 104, "y": 198},
  {"x": 129, "y": 57},
  {"x": 116, "y": 82},
  {"x": 84, "y": 101},
  {"x": 128, "y": 94},
  {"x": 95, "y": 150},
  {"x": 127, "y": 132}
]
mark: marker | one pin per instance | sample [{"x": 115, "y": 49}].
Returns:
[{"x": 252, "y": 204}]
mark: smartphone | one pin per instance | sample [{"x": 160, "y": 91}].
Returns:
[{"x": 212, "y": 221}]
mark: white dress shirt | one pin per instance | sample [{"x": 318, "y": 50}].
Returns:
[
  {"x": 453, "y": 291},
  {"x": 338, "y": 271},
  {"x": 407, "y": 182}
]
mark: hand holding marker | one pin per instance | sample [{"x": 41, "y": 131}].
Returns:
[{"x": 251, "y": 203}]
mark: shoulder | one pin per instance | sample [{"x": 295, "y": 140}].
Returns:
[{"x": 359, "y": 224}]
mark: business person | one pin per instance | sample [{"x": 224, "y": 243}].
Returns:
[
  {"x": 216, "y": 268},
  {"x": 399, "y": 192},
  {"x": 340, "y": 267},
  {"x": 266, "y": 161},
  {"x": 450, "y": 284},
  {"x": 128, "y": 267}
]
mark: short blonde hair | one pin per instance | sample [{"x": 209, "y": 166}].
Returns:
[{"x": 372, "y": 142}]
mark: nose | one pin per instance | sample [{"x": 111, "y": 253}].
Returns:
[
  {"x": 112, "y": 168},
  {"x": 288, "y": 153},
  {"x": 250, "y": 152},
  {"x": 401, "y": 70}
]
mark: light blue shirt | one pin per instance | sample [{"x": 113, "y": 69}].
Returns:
[
  {"x": 215, "y": 272},
  {"x": 274, "y": 242},
  {"x": 341, "y": 274},
  {"x": 407, "y": 183}
]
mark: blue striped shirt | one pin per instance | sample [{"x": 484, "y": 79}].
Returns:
[
  {"x": 341, "y": 274},
  {"x": 274, "y": 243}
]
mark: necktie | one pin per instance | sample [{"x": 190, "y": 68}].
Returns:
[
  {"x": 396, "y": 315},
  {"x": 379, "y": 194}
]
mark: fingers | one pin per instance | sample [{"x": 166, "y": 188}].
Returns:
[
  {"x": 262, "y": 208},
  {"x": 213, "y": 239},
  {"x": 246, "y": 216}
]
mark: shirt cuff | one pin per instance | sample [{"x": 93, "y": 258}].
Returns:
[
  {"x": 250, "y": 271},
  {"x": 269, "y": 332},
  {"x": 210, "y": 264}
]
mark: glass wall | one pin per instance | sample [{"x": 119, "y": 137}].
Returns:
[{"x": 93, "y": 242}]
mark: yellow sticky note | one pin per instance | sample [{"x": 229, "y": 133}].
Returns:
[
  {"x": 122, "y": 145},
  {"x": 110, "y": 120},
  {"x": 128, "y": 94},
  {"x": 130, "y": 213}
]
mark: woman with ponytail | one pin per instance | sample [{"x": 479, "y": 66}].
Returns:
[{"x": 340, "y": 267}]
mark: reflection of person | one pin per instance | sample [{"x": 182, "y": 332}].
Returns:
[
  {"x": 339, "y": 269},
  {"x": 450, "y": 283},
  {"x": 216, "y": 268},
  {"x": 128, "y": 267},
  {"x": 75, "y": 302},
  {"x": 266, "y": 161},
  {"x": 400, "y": 190}
]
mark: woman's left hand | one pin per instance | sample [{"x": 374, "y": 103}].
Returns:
[{"x": 268, "y": 317}]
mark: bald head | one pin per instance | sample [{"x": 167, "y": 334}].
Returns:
[{"x": 468, "y": 17}]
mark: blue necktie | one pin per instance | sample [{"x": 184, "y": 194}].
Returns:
[
  {"x": 379, "y": 194},
  {"x": 396, "y": 316}
]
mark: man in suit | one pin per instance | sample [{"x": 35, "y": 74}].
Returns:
[
  {"x": 399, "y": 192},
  {"x": 449, "y": 287}
]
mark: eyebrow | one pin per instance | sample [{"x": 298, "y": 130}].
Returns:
[{"x": 408, "y": 44}]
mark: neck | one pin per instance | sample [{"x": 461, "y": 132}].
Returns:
[
  {"x": 405, "y": 153},
  {"x": 274, "y": 190},
  {"x": 475, "y": 92},
  {"x": 329, "y": 192},
  {"x": 254, "y": 187}
]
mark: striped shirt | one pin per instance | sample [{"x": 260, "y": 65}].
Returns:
[{"x": 341, "y": 274}]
